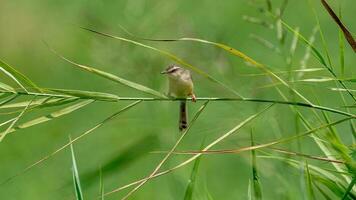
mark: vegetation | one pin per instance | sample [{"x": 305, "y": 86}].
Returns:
[{"x": 274, "y": 118}]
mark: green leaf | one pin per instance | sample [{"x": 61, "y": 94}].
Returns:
[
  {"x": 51, "y": 116},
  {"x": 111, "y": 117},
  {"x": 257, "y": 192},
  {"x": 225, "y": 47},
  {"x": 76, "y": 180},
  {"x": 308, "y": 180},
  {"x": 169, "y": 55},
  {"x": 7, "y": 88},
  {"x": 189, "y": 160},
  {"x": 42, "y": 103},
  {"x": 249, "y": 190},
  {"x": 191, "y": 183},
  {"x": 87, "y": 94},
  {"x": 17, "y": 76},
  {"x": 318, "y": 56},
  {"x": 8, "y": 130},
  {"x": 102, "y": 192},
  {"x": 112, "y": 77},
  {"x": 7, "y": 100},
  {"x": 349, "y": 188},
  {"x": 319, "y": 175}
]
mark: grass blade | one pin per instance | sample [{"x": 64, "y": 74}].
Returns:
[
  {"x": 111, "y": 117},
  {"x": 275, "y": 142},
  {"x": 51, "y": 116},
  {"x": 169, "y": 55},
  {"x": 341, "y": 50},
  {"x": 308, "y": 180},
  {"x": 112, "y": 77},
  {"x": 191, "y": 183},
  {"x": 349, "y": 188},
  {"x": 306, "y": 56},
  {"x": 102, "y": 191},
  {"x": 218, "y": 140},
  {"x": 196, "y": 116},
  {"x": 17, "y": 76},
  {"x": 87, "y": 94},
  {"x": 234, "y": 52},
  {"x": 41, "y": 102},
  {"x": 7, "y": 88},
  {"x": 76, "y": 179},
  {"x": 325, "y": 47},
  {"x": 7, "y": 100},
  {"x": 346, "y": 32},
  {"x": 249, "y": 190},
  {"x": 257, "y": 192},
  {"x": 124, "y": 158},
  {"x": 8, "y": 130},
  {"x": 318, "y": 56},
  {"x": 333, "y": 183}
]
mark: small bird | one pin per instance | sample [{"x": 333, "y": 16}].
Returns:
[{"x": 180, "y": 86}]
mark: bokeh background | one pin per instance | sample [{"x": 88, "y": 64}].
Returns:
[{"x": 121, "y": 148}]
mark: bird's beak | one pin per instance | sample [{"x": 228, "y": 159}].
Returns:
[{"x": 163, "y": 72}]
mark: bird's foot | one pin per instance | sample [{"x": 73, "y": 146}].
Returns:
[{"x": 194, "y": 99}]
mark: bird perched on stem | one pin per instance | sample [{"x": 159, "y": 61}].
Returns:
[{"x": 180, "y": 86}]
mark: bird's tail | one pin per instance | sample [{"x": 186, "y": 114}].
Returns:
[{"x": 183, "y": 116}]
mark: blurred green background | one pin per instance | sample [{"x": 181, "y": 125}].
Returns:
[{"x": 122, "y": 147}]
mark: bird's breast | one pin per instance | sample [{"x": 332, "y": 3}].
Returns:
[{"x": 180, "y": 87}]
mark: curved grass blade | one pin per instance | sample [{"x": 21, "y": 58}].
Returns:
[
  {"x": 169, "y": 55},
  {"x": 196, "y": 116},
  {"x": 51, "y": 116},
  {"x": 333, "y": 183},
  {"x": 17, "y": 76},
  {"x": 218, "y": 140},
  {"x": 279, "y": 141},
  {"x": 7, "y": 131},
  {"x": 233, "y": 51},
  {"x": 76, "y": 179},
  {"x": 111, "y": 117},
  {"x": 112, "y": 77},
  {"x": 318, "y": 56}
]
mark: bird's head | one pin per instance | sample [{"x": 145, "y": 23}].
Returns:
[{"x": 173, "y": 71}]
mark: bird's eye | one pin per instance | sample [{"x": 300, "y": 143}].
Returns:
[{"x": 173, "y": 70}]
